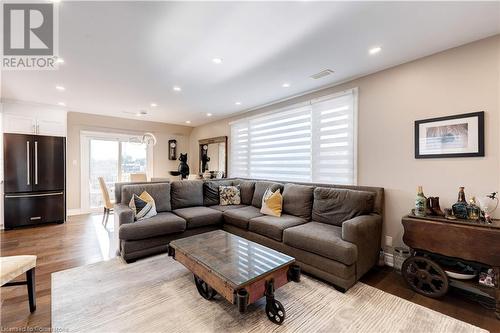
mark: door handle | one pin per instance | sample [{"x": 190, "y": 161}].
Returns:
[
  {"x": 35, "y": 218},
  {"x": 36, "y": 162},
  {"x": 27, "y": 162}
]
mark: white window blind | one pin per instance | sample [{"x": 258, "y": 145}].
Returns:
[{"x": 311, "y": 142}]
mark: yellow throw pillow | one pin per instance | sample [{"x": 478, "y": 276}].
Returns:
[
  {"x": 147, "y": 197},
  {"x": 272, "y": 203}
]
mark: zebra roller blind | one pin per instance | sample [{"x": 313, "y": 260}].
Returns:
[{"x": 310, "y": 142}]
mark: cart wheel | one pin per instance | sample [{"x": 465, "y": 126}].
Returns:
[
  {"x": 204, "y": 289},
  {"x": 425, "y": 276},
  {"x": 275, "y": 311}
]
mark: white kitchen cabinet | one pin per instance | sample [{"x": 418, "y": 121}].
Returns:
[
  {"x": 51, "y": 127},
  {"x": 19, "y": 124},
  {"x": 34, "y": 119}
]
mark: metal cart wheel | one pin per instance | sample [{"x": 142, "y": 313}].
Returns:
[
  {"x": 425, "y": 276},
  {"x": 204, "y": 289}
]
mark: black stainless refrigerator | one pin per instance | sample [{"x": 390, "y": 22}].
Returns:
[{"x": 34, "y": 179}]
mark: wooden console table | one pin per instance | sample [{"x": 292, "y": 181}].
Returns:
[{"x": 466, "y": 241}]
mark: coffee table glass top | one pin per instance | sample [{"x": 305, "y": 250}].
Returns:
[{"x": 233, "y": 258}]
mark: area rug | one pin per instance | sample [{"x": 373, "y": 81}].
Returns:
[{"x": 158, "y": 295}]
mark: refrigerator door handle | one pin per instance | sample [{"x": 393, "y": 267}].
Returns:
[
  {"x": 10, "y": 196},
  {"x": 27, "y": 162},
  {"x": 36, "y": 162}
]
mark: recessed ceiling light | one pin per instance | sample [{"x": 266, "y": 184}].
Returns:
[
  {"x": 59, "y": 60},
  {"x": 61, "y": 104},
  {"x": 237, "y": 103},
  {"x": 177, "y": 88},
  {"x": 60, "y": 88},
  {"x": 188, "y": 121},
  {"x": 209, "y": 115},
  {"x": 217, "y": 60},
  {"x": 285, "y": 85},
  {"x": 153, "y": 105},
  {"x": 56, "y": 1},
  {"x": 375, "y": 50}
]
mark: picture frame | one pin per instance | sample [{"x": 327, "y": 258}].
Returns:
[{"x": 450, "y": 137}]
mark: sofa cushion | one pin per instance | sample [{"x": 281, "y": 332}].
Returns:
[
  {"x": 335, "y": 205},
  {"x": 160, "y": 192},
  {"x": 272, "y": 226},
  {"x": 322, "y": 239},
  {"x": 211, "y": 191},
  {"x": 247, "y": 188},
  {"x": 298, "y": 200},
  {"x": 162, "y": 224},
  {"x": 224, "y": 208},
  {"x": 199, "y": 216},
  {"x": 186, "y": 193},
  {"x": 260, "y": 189},
  {"x": 240, "y": 217}
]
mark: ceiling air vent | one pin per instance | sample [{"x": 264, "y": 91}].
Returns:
[{"x": 321, "y": 74}]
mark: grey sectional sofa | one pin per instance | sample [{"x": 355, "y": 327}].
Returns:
[{"x": 333, "y": 231}]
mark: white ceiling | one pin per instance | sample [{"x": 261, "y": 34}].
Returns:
[{"x": 122, "y": 56}]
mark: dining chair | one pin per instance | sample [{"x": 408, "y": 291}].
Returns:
[
  {"x": 138, "y": 177},
  {"x": 13, "y": 266},
  {"x": 108, "y": 203}
]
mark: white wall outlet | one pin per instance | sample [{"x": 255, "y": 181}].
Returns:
[{"x": 388, "y": 241}]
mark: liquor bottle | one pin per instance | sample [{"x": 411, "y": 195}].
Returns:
[
  {"x": 473, "y": 211},
  {"x": 420, "y": 203},
  {"x": 460, "y": 207}
]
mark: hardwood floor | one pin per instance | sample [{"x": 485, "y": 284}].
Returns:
[{"x": 83, "y": 240}]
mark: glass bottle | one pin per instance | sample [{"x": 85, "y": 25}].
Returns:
[
  {"x": 473, "y": 211},
  {"x": 420, "y": 203},
  {"x": 460, "y": 207}
]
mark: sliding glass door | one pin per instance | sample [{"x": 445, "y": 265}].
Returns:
[
  {"x": 103, "y": 163},
  {"x": 113, "y": 157}
]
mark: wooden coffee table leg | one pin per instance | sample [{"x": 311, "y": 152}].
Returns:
[{"x": 274, "y": 309}]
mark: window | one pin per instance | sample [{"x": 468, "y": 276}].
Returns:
[
  {"x": 113, "y": 157},
  {"x": 310, "y": 142}
]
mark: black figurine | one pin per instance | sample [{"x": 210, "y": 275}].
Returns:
[{"x": 183, "y": 166}]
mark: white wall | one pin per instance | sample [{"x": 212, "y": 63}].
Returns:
[{"x": 459, "y": 80}]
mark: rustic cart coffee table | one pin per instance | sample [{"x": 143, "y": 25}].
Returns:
[{"x": 239, "y": 270}]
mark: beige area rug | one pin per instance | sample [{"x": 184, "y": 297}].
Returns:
[{"x": 158, "y": 295}]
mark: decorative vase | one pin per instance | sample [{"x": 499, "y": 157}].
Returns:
[
  {"x": 420, "y": 203},
  {"x": 488, "y": 204},
  {"x": 460, "y": 207}
]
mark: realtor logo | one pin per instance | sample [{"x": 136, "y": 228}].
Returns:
[{"x": 28, "y": 36}]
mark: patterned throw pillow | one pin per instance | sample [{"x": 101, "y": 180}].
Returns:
[
  {"x": 272, "y": 203},
  {"x": 143, "y": 206},
  {"x": 229, "y": 195}
]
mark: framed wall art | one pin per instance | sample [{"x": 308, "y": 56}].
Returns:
[{"x": 452, "y": 136}]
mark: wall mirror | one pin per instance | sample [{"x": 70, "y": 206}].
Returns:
[{"x": 213, "y": 157}]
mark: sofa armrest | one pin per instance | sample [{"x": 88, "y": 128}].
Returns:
[
  {"x": 124, "y": 214},
  {"x": 365, "y": 231}
]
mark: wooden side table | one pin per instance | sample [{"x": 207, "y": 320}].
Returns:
[{"x": 465, "y": 241}]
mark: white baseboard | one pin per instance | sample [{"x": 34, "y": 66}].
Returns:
[
  {"x": 76, "y": 211},
  {"x": 389, "y": 259}
]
